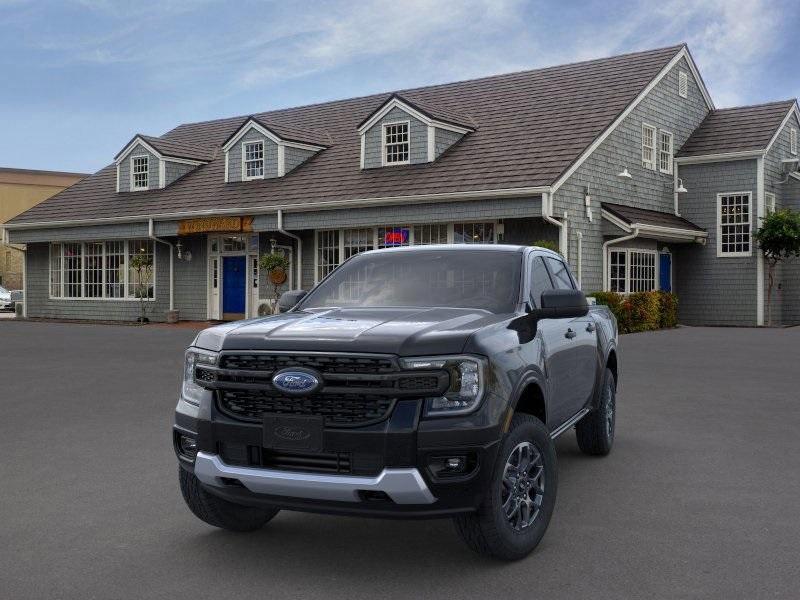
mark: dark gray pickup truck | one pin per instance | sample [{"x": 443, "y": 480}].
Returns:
[{"x": 411, "y": 382}]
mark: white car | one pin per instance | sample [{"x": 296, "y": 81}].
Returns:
[{"x": 5, "y": 299}]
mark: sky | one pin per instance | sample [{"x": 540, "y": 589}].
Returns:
[{"x": 80, "y": 78}]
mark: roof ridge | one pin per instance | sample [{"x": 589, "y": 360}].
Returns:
[
  {"x": 788, "y": 101},
  {"x": 390, "y": 93}
]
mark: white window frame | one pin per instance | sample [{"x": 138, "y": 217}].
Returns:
[
  {"x": 720, "y": 253},
  {"x": 133, "y": 159},
  {"x": 649, "y": 164},
  {"x": 104, "y": 298},
  {"x": 627, "y": 276},
  {"x": 374, "y": 230},
  {"x": 683, "y": 84},
  {"x": 245, "y": 177},
  {"x": 384, "y": 147},
  {"x": 793, "y": 140},
  {"x": 665, "y": 156}
]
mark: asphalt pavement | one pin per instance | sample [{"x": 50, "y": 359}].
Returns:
[{"x": 700, "y": 497}]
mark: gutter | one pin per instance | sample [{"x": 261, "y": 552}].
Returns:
[
  {"x": 605, "y": 253},
  {"x": 152, "y": 236},
  {"x": 299, "y": 249},
  {"x": 547, "y": 211}
]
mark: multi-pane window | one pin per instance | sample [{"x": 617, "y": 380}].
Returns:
[
  {"x": 93, "y": 270},
  {"x": 395, "y": 143},
  {"x": 683, "y": 84},
  {"x": 665, "y": 152},
  {"x": 97, "y": 270},
  {"x": 793, "y": 140},
  {"x": 357, "y": 240},
  {"x": 769, "y": 200},
  {"x": 234, "y": 243},
  {"x": 140, "y": 166},
  {"x": 253, "y": 160},
  {"x": 632, "y": 271},
  {"x": 648, "y": 146},
  {"x": 473, "y": 233},
  {"x": 430, "y": 234},
  {"x": 734, "y": 222},
  {"x": 115, "y": 269},
  {"x": 327, "y": 252}
]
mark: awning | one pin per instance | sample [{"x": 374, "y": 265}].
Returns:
[{"x": 653, "y": 224}]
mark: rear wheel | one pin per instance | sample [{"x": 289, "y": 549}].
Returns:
[
  {"x": 218, "y": 512},
  {"x": 516, "y": 510},
  {"x": 595, "y": 431}
]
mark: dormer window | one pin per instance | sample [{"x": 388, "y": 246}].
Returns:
[
  {"x": 396, "y": 148},
  {"x": 140, "y": 170},
  {"x": 253, "y": 153}
]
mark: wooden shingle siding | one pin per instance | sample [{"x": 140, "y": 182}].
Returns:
[
  {"x": 125, "y": 170},
  {"x": 235, "y": 156},
  {"x": 649, "y": 189},
  {"x": 417, "y": 134},
  {"x": 174, "y": 171},
  {"x": 712, "y": 290}
]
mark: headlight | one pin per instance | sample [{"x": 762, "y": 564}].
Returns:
[
  {"x": 190, "y": 391},
  {"x": 467, "y": 382}
]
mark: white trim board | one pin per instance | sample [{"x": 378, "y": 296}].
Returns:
[
  {"x": 252, "y": 124},
  {"x": 398, "y": 103},
  {"x": 659, "y": 232},
  {"x": 138, "y": 140},
  {"x": 683, "y": 53},
  {"x": 792, "y": 111},
  {"x": 721, "y": 157}
]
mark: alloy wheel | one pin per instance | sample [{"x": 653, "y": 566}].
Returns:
[{"x": 522, "y": 486}]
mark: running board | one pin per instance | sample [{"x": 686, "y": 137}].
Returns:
[{"x": 575, "y": 418}]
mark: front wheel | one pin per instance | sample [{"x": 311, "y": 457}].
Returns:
[
  {"x": 595, "y": 431},
  {"x": 515, "y": 512}
]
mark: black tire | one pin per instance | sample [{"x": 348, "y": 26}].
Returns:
[
  {"x": 489, "y": 531},
  {"x": 595, "y": 431},
  {"x": 218, "y": 512}
]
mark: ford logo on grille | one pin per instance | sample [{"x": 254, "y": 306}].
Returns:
[{"x": 292, "y": 381}]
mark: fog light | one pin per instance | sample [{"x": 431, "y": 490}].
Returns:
[
  {"x": 187, "y": 446},
  {"x": 453, "y": 466},
  {"x": 455, "y": 463}
]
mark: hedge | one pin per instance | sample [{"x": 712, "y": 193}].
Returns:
[{"x": 641, "y": 311}]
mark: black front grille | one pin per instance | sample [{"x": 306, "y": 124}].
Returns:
[
  {"x": 323, "y": 363},
  {"x": 356, "y": 463},
  {"x": 338, "y": 410}
]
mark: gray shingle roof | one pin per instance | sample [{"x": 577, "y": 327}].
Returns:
[
  {"x": 175, "y": 148},
  {"x": 530, "y": 127},
  {"x": 738, "y": 129},
  {"x": 631, "y": 215}
]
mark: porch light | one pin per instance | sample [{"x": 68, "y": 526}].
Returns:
[
  {"x": 680, "y": 189},
  {"x": 625, "y": 174}
]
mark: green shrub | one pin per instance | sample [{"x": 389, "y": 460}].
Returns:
[
  {"x": 668, "y": 309},
  {"x": 549, "y": 244},
  {"x": 640, "y": 311}
]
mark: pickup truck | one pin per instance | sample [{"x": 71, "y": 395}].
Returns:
[{"x": 425, "y": 381}]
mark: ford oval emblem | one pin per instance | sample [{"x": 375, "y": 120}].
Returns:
[{"x": 296, "y": 382}]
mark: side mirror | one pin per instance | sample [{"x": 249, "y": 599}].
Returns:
[
  {"x": 563, "y": 304},
  {"x": 289, "y": 299}
]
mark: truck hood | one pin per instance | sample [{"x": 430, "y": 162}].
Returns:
[{"x": 401, "y": 331}]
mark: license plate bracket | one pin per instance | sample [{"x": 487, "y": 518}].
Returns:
[{"x": 293, "y": 432}]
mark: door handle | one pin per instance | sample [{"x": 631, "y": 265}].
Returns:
[
  {"x": 570, "y": 334},
  {"x": 590, "y": 327}
]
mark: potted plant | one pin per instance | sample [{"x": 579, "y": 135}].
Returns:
[
  {"x": 142, "y": 265},
  {"x": 276, "y": 265}
]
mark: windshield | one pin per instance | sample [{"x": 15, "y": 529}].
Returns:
[
  {"x": 459, "y": 279},
  {"x": 3, "y": 290}
]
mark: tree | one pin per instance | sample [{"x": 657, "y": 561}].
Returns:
[
  {"x": 779, "y": 239},
  {"x": 549, "y": 244},
  {"x": 142, "y": 265},
  {"x": 276, "y": 266}
]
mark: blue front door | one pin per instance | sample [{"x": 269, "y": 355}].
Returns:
[
  {"x": 233, "y": 284},
  {"x": 665, "y": 272}
]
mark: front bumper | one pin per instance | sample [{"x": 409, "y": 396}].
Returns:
[{"x": 389, "y": 469}]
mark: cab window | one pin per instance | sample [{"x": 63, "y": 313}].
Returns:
[
  {"x": 561, "y": 275},
  {"x": 540, "y": 280}
]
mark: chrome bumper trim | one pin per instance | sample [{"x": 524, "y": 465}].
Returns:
[{"x": 403, "y": 486}]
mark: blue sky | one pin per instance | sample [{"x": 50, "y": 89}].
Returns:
[{"x": 81, "y": 77}]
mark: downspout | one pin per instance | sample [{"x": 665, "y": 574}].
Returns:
[
  {"x": 618, "y": 240},
  {"x": 547, "y": 211},
  {"x": 152, "y": 236},
  {"x": 299, "y": 249},
  {"x": 580, "y": 259},
  {"x": 675, "y": 187}
]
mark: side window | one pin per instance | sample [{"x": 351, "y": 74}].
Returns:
[
  {"x": 540, "y": 280},
  {"x": 561, "y": 276}
]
